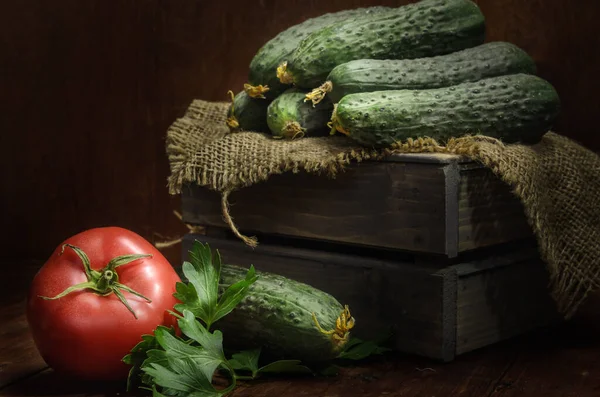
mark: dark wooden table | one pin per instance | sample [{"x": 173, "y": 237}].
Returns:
[{"x": 561, "y": 361}]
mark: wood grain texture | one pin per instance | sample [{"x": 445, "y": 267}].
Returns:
[
  {"x": 501, "y": 298},
  {"x": 49, "y": 383},
  {"x": 18, "y": 355},
  {"x": 435, "y": 310},
  {"x": 382, "y": 295},
  {"x": 557, "y": 362},
  {"x": 89, "y": 88},
  {"x": 488, "y": 212},
  {"x": 393, "y": 205},
  {"x": 427, "y": 205}
]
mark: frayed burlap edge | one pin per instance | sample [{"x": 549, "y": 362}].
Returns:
[{"x": 572, "y": 275}]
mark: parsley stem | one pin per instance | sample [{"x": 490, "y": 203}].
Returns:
[{"x": 232, "y": 376}]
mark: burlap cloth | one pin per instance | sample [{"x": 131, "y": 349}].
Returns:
[{"x": 557, "y": 180}]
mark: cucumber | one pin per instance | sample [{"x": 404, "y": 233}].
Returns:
[
  {"x": 513, "y": 108},
  {"x": 277, "y": 315},
  {"x": 290, "y": 116},
  {"x": 423, "y": 29},
  {"x": 246, "y": 113},
  {"x": 262, "y": 76},
  {"x": 472, "y": 64}
]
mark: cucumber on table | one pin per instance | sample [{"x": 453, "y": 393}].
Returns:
[
  {"x": 262, "y": 77},
  {"x": 277, "y": 314},
  {"x": 246, "y": 113},
  {"x": 513, "y": 108},
  {"x": 423, "y": 29},
  {"x": 290, "y": 116},
  {"x": 366, "y": 75}
]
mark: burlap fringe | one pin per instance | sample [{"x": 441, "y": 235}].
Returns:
[
  {"x": 202, "y": 151},
  {"x": 562, "y": 283},
  {"x": 464, "y": 146}
]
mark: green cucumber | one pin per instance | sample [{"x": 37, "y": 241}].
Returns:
[
  {"x": 472, "y": 64},
  {"x": 277, "y": 315},
  {"x": 262, "y": 76},
  {"x": 291, "y": 116},
  {"x": 513, "y": 108},
  {"x": 247, "y": 114},
  {"x": 423, "y": 29}
]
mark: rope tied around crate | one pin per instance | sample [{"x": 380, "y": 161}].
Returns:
[{"x": 556, "y": 179}]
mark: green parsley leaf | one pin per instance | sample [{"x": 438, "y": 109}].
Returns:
[
  {"x": 182, "y": 357},
  {"x": 139, "y": 355},
  {"x": 182, "y": 382},
  {"x": 211, "y": 342},
  {"x": 184, "y": 368},
  {"x": 357, "y": 349},
  {"x": 156, "y": 356},
  {"x": 203, "y": 272},
  {"x": 156, "y": 393},
  {"x": 246, "y": 360},
  {"x": 234, "y": 294},
  {"x": 200, "y": 294},
  {"x": 186, "y": 293},
  {"x": 285, "y": 366}
]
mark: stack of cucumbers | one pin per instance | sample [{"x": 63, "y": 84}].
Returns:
[{"x": 380, "y": 75}]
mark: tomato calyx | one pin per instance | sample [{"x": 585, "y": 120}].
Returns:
[{"x": 106, "y": 280}]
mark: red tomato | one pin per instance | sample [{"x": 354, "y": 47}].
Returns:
[{"x": 86, "y": 333}]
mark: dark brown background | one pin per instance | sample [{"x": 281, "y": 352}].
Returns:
[{"x": 88, "y": 89}]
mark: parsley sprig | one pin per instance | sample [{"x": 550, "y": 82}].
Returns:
[
  {"x": 201, "y": 295},
  {"x": 172, "y": 366}
]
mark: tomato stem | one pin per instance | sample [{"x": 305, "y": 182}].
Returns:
[
  {"x": 91, "y": 274},
  {"x": 124, "y": 301},
  {"x": 103, "y": 282},
  {"x": 126, "y": 288},
  {"x": 124, "y": 259},
  {"x": 73, "y": 288}
]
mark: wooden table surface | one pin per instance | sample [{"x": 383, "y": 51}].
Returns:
[{"x": 562, "y": 361}]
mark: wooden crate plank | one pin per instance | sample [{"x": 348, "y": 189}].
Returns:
[
  {"x": 501, "y": 298},
  {"x": 424, "y": 203},
  {"x": 451, "y": 207},
  {"x": 379, "y": 293},
  {"x": 384, "y": 204},
  {"x": 490, "y": 234},
  {"x": 489, "y": 213}
]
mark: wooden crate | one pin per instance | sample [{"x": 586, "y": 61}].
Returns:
[
  {"x": 430, "y": 203},
  {"x": 437, "y": 308}
]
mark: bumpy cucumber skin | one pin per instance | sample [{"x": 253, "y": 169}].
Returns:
[
  {"x": 263, "y": 67},
  {"x": 250, "y": 113},
  {"x": 513, "y": 108},
  {"x": 277, "y": 316},
  {"x": 423, "y": 29},
  {"x": 291, "y": 106},
  {"x": 471, "y": 64}
]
